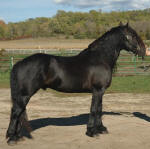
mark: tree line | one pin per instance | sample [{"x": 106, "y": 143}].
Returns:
[{"x": 79, "y": 25}]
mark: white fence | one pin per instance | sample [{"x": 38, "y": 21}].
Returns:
[{"x": 32, "y": 51}]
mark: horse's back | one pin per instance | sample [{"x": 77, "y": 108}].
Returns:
[{"x": 48, "y": 71}]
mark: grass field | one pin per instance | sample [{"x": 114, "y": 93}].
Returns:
[{"x": 130, "y": 84}]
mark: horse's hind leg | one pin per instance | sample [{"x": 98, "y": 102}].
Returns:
[{"x": 23, "y": 123}]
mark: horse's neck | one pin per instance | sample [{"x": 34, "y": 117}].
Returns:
[
  {"x": 107, "y": 50},
  {"x": 110, "y": 53}
]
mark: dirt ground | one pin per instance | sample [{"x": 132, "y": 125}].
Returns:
[
  {"x": 59, "y": 121},
  {"x": 46, "y": 43}
]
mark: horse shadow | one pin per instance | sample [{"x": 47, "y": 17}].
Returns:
[
  {"x": 141, "y": 116},
  {"x": 81, "y": 119}
]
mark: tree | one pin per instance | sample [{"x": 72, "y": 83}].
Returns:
[
  {"x": 2, "y": 32},
  {"x": 78, "y": 24},
  {"x": 2, "y": 29}
]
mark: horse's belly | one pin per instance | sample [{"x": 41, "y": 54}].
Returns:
[
  {"x": 73, "y": 90},
  {"x": 69, "y": 86}
]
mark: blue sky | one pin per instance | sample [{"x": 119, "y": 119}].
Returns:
[{"x": 20, "y": 10}]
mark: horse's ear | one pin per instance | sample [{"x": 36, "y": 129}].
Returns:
[{"x": 120, "y": 24}]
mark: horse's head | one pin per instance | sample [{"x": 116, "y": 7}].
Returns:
[{"x": 132, "y": 41}]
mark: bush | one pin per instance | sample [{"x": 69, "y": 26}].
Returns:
[{"x": 2, "y": 51}]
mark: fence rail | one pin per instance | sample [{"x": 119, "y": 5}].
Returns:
[
  {"x": 127, "y": 64},
  {"x": 33, "y": 51}
]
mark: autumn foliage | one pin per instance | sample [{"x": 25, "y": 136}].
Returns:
[{"x": 76, "y": 25}]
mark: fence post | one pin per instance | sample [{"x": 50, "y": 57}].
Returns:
[
  {"x": 135, "y": 64},
  {"x": 11, "y": 62}
]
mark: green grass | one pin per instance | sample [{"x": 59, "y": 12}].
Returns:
[
  {"x": 4, "y": 84},
  {"x": 128, "y": 84},
  {"x": 4, "y": 79}
]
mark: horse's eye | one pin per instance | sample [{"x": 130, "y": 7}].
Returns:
[{"x": 129, "y": 37}]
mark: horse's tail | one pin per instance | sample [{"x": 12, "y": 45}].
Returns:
[
  {"x": 14, "y": 99},
  {"x": 15, "y": 94},
  {"x": 17, "y": 99}
]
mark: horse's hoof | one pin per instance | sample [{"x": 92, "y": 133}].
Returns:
[
  {"x": 92, "y": 132},
  {"x": 11, "y": 142},
  {"x": 102, "y": 130},
  {"x": 21, "y": 139},
  {"x": 89, "y": 134}
]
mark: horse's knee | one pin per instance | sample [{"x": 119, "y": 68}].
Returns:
[{"x": 16, "y": 112}]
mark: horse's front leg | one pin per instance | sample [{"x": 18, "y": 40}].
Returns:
[{"x": 95, "y": 125}]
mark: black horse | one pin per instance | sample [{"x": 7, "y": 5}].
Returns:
[{"x": 89, "y": 71}]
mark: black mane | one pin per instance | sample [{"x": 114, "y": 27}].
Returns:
[
  {"x": 105, "y": 36},
  {"x": 104, "y": 47},
  {"x": 99, "y": 42}
]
